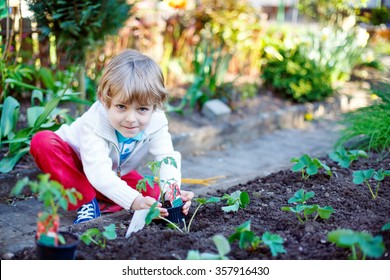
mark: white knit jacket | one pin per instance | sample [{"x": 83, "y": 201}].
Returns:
[{"x": 94, "y": 140}]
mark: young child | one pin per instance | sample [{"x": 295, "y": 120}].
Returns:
[{"x": 99, "y": 152}]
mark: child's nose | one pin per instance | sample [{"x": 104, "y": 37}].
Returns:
[{"x": 130, "y": 116}]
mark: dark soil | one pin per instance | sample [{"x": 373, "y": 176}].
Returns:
[{"x": 354, "y": 209}]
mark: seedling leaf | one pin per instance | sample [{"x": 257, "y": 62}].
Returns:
[
  {"x": 386, "y": 226},
  {"x": 152, "y": 214},
  {"x": 222, "y": 244},
  {"x": 274, "y": 243}
]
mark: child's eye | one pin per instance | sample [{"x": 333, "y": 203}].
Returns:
[
  {"x": 121, "y": 107},
  {"x": 143, "y": 109}
]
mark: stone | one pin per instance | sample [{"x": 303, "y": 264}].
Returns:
[{"x": 215, "y": 109}]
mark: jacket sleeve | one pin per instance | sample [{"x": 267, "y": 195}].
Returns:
[{"x": 160, "y": 146}]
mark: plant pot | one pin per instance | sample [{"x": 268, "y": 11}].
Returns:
[
  {"x": 61, "y": 252},
  {"x": 176, "y": 214}
]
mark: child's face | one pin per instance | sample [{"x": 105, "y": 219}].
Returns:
[{"x": 129, "y": 119}]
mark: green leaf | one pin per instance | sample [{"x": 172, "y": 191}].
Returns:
[
  {"x": 37, "y": 94},
  {"x": 193, "y": 255},
  {"x": 379, "y": 175},
  {"x": 8, "y": 162},
  {"x": 386, "y": 226},
  {"x": 309, "y": 209},
  {"x": 9, "y": 116},
  {"x": 298, "y": 166},
  {"x": 109, "y": 232},
  {"x": 358, "y": 177},
  {"x": 222, "y": 244},
  {"x": 274, "y": 243},
  {"x": 33, "y": 113},
  {"x": 20, "y": 185},
  {"x": 325, "y": 212},
  {"x": 231, "y": 208},
  {"x": 244, "y": 199},
  {"x": 286, "y": 208},
  {"x": 335, "y": 236},
  {"x": 373, "y": 247},
  {"x": 50, "y": 106},
  {"x": 152, "y": 214},
  {"x": 213, "y": 200},
  {"x": 312, "y": 169}
]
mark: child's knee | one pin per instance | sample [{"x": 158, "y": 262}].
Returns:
[{"x": 42, "y": 140}]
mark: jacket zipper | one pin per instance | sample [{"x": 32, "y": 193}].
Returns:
[{"x": 118, "y": 169}]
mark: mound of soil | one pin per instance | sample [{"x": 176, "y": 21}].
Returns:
[{"x": 353, "y": 205}]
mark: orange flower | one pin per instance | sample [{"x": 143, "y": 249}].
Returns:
[{"x": 177, "y": 4}]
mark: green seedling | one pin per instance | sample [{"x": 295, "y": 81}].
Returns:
[
  {"x": 386, "y": 226},
  {"x": 248, "y": 240},
  {"x": 223, "y": 248},
  {"x": 54, "y": 197},
  {"x": 303, "y": 210},
  {"x": 362, "y": 244},
  {"x": 365, "y": 176},
  {"x": 235, "y": 200},
  {"x": 344, "y": 157},
  {"x": 308, "y": 166},
  {"x": 155, "y": 167},
  {"x": 202, "y": 201},
  {"x": 155, "y": 213},
  {"x": 95, "y": 236}
]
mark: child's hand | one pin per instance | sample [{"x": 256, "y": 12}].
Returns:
[
  {"x": 186, "y": 196},
  {"x": 145, "y": 202}
]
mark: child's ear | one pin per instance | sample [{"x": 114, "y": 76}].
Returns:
[{"x": 105, "y": 105}]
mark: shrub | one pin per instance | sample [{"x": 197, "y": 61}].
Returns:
[{"x": 368, "y": 128}]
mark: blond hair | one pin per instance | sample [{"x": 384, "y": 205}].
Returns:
[{"x": 135, "y": 78}]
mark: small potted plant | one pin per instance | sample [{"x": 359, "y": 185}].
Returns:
[
  {"x": 174, "y": 203},
  {"x": 51, "y": 242}
]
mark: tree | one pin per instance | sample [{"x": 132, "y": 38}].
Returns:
[{"x": 79, "y": 25}]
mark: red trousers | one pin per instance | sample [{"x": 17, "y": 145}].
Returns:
[{"x": 54, "y": 156}]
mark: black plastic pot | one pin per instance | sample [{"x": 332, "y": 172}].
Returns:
[
  {"x": 176, "y": 214},
  {"x": 60, "y": 252}
]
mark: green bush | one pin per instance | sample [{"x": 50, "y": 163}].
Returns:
[
  {"x": 306, "y": 67},
  {"x": 291, "y": 73},
  {"x": 380, "y": 15},
  {"x": 368, "y": 128}
]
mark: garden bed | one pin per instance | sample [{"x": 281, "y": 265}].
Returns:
[{"x": 353, "y": 205}]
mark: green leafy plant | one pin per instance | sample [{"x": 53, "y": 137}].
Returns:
[
  {"x": 54, "y": 197},
  {"x": 155, "y": 167},
  {"x": 155, "y": 213},
  {"x": 248, "y": 240},
  {"x": 308, "y": 166},
  {"x": 210, "y": 65},
  {"x": 19, "y": 141},
  {"x": 365, "y": 176},
  {"x": 362, "y": 244},
  {"x": 368, "y": 128},
  {"x": 97, "y": 237},
  {"x": 235, "y": 200},
  {"x": 344, "y": 157},
  {"x": 223, "y": 248},
  {"x": 303, "y": 210},
  {"x": 307, "y": 66}
]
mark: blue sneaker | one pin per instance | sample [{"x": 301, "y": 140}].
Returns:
[{"x": 87, "y": 212}]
